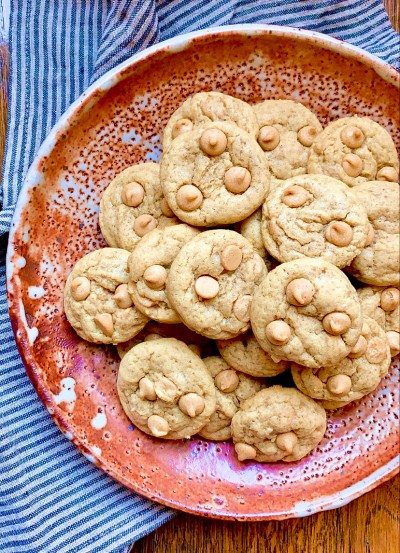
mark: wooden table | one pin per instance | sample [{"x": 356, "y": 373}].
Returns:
[{"x": 370, "y": 524}]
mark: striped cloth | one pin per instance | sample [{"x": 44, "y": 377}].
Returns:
[{"x": 52, "y": 499}]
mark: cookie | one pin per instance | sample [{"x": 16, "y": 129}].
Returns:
[
  {"x": 382, "y": 305},
  {"x": 314, "y": 216},
  {"x": 231, "y": 388},
  {"x": 245, "y": 354},
  {"x": 96, "y": 299},
  {"x": 208, "y": 107},
  {"x": 308, "y": 312},
  {"x": 211, "y": 282},
  {"x": 250, "y": 228},
  {"x": 200, "y": 345},
  {"x": 277, "y": 424},
  {"x": 355, "y": 376},
  {"x": 149, "y": 265},
  {"x": 132, "y": 205},
  {"x": 379, "y": 262},
  {"x": 286, "y": 130},
  {"x": 165, "y": 389},
  {"x": 354, "y": 150},
  {"x": 214, "y": 175}
]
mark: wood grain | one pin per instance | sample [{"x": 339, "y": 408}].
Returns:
[{"x": 370, "y": 524}]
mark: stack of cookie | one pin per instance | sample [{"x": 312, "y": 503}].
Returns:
[{"x": 228, "y": 265}]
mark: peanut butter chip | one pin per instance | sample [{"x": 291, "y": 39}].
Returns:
[
  {"x": 80, "y": 288},
  {"x": 122, "y": 297},
  {"x": 359, "y": 348},
  {"x": 307, "y": 135},
  {"x": 352, "y": 136},
  {"x": 227, "y": 381},
  {"x": 213, "y": 142},
  {"x": 241, "y": 308},
  {"x": 299, "y": 292},
  {"x": 158, "y": 426},
  {"x": 191, "y": 404},
  {"x": 144, "y": 224},
  {"x": 245, "y": 451},
  {"x": 146, "y": 389},
  {"x": 105, "y": 323},
  {"x": 376, "y": 350},
  {"x": 387, "y": 173},
  {"x": 339, "y": 385},
  {"x": 390, "y": 299},
  {"x": 181, "y": 126},
  {"x": 370, "y": 236},
  {"x": 151, "y": 336},
  {"x": 165, "y": 209},
  {"x": 195, "y": 348},
  {"x": 132, "y": 194},
  {"x": 259, "y": 265},
  {"x": 268, "y": 138},
  {"x": 155, "y": 277},
  {"x": 206, "y": 287},
  {"x": 393, "y": 338},
  {"x": 237, "y": 180},
  {"x": 352, "y": 165},
  {"x": 295, "y": 196},
  {"x": 278, "y": 333},
  {"x": 336, "y": 323},
  {"x": 231, "y": 257},
  {"x": 189, "y": 197},
  {"x": 287, "y": 442},
  {"x": 339, "y": 233}
]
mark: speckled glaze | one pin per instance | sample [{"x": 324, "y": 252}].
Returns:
[{"x": 117, "y": 122}]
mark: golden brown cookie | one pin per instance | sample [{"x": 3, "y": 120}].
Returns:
[
  {"x": 314, "y": 216},
  {"x": 308, "y": 312},
  {"x": 214, "y": 175},
  {"x": 208, "y": 107},
  {"x": 379, "y": 262},
  {"x": 211, "y": 283},
  {"x": 149, "y": 265},
  {"x": 355, "y": 376},
  {"x": 96, "y": 299},
  {"x": 165, "y": 389},
  {"x": 287, "y": 129},
  {"x": 382, "y": 305},
  {"x": 245, "y": 354},
  {"x": 200, "y": 345},
  {"x": 132, "y": 205},
  {"x": 354, "y": 150},
  {"x": 231, "y": 388},
  {"x": 277, "y": 424}
]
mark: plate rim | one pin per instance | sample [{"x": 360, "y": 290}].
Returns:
[{"x": 83, "y": 102}]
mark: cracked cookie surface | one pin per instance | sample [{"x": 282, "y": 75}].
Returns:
[
  {"x": 379, "y": 262},
  {"x": 354, "y": 150},
  {"x": 96, "y": 298},
  {"x": 149, "y": 265},
  {"x": 286, "y": 130},
  {"x": 308, "y": 312},
  {"x": 211, "y": 283},
  {"x": 382, "y": 305},
  {"x": 245, "y": 354},
  {"x": 355, "y": 376},
  {"x": 277, "y": 424},
  {"x": 165, "y": 389},
  {"x": 214, "y": 175},
  {"x": 231, "y": 388},
  {"x": 314, "y": 216},
  {"x": 207, "y": 107},
  {"x": 132, "y": 205}
]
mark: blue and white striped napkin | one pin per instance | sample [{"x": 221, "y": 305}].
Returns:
[{"x": 52, "y": 499}]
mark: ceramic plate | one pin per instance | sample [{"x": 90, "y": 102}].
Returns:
[{"x": 117, "y": 122}]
